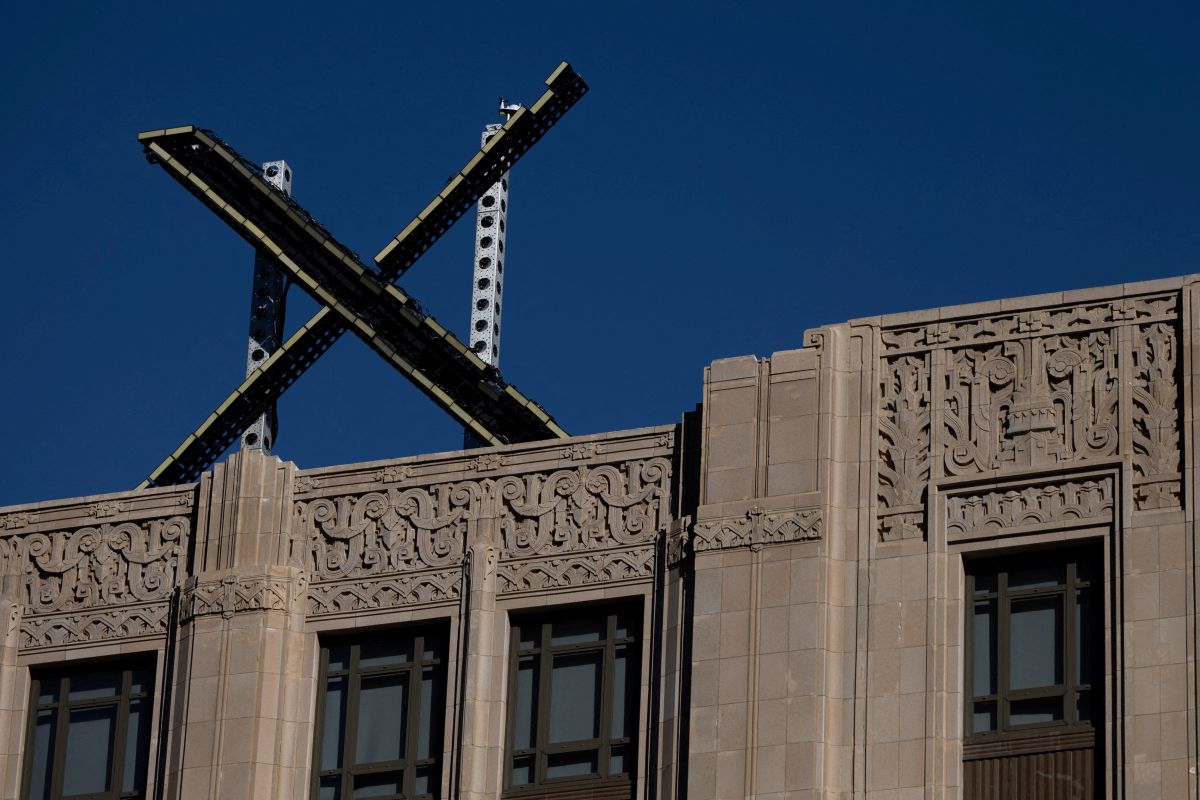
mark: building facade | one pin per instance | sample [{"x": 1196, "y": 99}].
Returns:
[{"x": 940, "y": 554}]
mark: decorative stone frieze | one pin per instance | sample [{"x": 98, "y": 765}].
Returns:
[
  {"x": 51, "y": 630},
  {"x": 99, "y": 581},
  {"x": 756, "y": 527},
  {"x": 101, "y": 565},
  {"x": 580, "y": 569},
  {"x": 236, "y": 593},
  {"x": 1028, "y": 389},
  {"x": 391, "y": 591},
  {"x": 561, "y": 517},
  {"x": 1020, "y": 509}
]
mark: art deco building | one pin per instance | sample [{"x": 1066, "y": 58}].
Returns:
[{"x": 939, "y": 554}]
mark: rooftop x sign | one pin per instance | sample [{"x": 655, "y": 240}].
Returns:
[{"x": 355, "y": 297}]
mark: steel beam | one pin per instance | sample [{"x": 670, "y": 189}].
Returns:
[{"x": 355, "y": 297}]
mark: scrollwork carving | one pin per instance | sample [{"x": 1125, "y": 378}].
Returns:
[
  {"x": 1029, "y": 389},
  {"x": 106, "y": 564},
  {"x": 1050, "y": 504},
  {"x": 387, "y": 531},
  {"x": 398, "y": 545},
  {"x": 583, "y": 508},
  {"x": 1031, "y": 402}
]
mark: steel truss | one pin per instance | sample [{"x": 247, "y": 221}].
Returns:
[{"x": 356, "y": 297}]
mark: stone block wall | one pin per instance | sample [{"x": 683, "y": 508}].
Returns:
[{"x": 799, "y": 547}]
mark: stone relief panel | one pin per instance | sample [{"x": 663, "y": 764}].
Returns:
[
  {"x": 581, "y": 515},
  {"x": 757, "y": 527},
  {"x": 583, "y": 524},
  {"x": 1031, "y": 402},
  {"x": 233, "y": 594},
  {"x": 101, "y": 581},
  {"x": 1055, "y": 505},
  {"x": 903, "y": 451},
  {"x": 1156, "y": 418},
  {"x": 1029, "y": 389},
  {"x": 384, "y": 548}
]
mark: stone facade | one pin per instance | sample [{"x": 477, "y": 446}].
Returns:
[{"x": 799, "y": 548}]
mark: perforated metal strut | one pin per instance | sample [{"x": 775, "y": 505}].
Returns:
[
  {"x": 487, "y": 277},
  {"x": 268, "y": 297},
  {"x": 491, "y": 226}
]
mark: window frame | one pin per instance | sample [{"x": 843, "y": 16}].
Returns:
[
  {"x": 1067, "y": 588},
  {"x": 544, "y": 652},
  {"x": 63, "y": 706},
  {"x": 353, "y": 673}
]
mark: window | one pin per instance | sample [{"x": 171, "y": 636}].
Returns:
[
  {"x": 89, "y": 731},
  {"x": 573, "y": 699},
  {"x": 379, "y": 715},
  {"x": 1033, "y": 644}
]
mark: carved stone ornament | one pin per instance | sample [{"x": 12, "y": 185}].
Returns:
[
  {"x": 102, "y": 565},
  {"x": 393, "y": 474},
  {"x": 1031, "y": 402},
  {"x": 51, "y": 630},
  {"x": 1156, "y": 417},
  {"x": 397, "y": 546},
  {"x": 576, "y": 569},
  {"x": 17, "y": 520},
  {"x": 1019, "y": 509},
  {"x": 107, "y": 509},
  {"x": 233, "y": 594},
  {"x": 903, "y": 453},
  {"x": 677, "y": 543},
  {"x": 107, "y": 581},
  {"x": 306, "y": 483},
  {"x": 391, "y": 591},
  {"x": 756, "y": 527},
  {"x": 582, "y": 452},
  {"x": 1026, "y": 390}
]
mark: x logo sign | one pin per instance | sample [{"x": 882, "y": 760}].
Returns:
[{"x": 355, "y": 297}]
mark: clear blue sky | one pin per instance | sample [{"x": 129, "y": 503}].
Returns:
[{"x": 738, "y": 174}]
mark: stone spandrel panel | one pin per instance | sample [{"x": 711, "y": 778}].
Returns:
[
  {"x": 586, "y": 511},
  {"x": 98, "y": 570},
  {"x": 1025, "y": 390}
]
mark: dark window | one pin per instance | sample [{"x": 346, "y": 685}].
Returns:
[
  {"x": 89, "y": 731},
  {"x": 573, "y": 699},
  {"x": 379, "y": 715},
  {"x": 1033, "y": 643}
]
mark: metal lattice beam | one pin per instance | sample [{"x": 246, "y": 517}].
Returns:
[{"x": 356, "y": 297}]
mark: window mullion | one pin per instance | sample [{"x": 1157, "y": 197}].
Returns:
[
  {"x": 969, "y": 655},
  {"x": 412, "y": 707},
  {"x": 514, "y": 666},
  {"x": 60, "y": 739},
  {"x": 545, "y": 668},
  {"x": 118, "y": 757},
  {"x": 35, "y": 686},
  {"x": 1002, "y": 650},
  {"x": 319, "y": 721},
  {"x": 604, "y": 754},
  {"x": 1070, "y": 643},
  {"x": 350, "y": 750}
]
